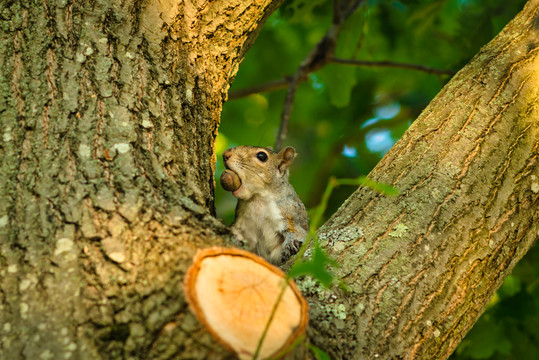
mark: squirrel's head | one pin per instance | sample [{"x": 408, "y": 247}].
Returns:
[{"x": 260, "y": 169}]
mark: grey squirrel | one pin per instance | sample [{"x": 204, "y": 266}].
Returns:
[{"x": 270, "y": 217}]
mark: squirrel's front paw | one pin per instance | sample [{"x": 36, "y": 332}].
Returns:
[
  {"x": 239, "y": 240},
  {"x": 289, "y": 249}
]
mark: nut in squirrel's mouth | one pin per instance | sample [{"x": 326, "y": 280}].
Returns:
[{"x": 231, "y": 181}]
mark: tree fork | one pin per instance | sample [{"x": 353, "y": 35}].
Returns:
[{"x": 108, "y": 117}]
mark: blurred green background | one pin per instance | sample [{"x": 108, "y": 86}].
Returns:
[{"x": 345, "y": 118}]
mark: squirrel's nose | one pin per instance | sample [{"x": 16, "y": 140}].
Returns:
[{"x": 227, "y": 154}]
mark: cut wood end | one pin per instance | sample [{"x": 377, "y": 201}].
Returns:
[{"x": 233, "y": 291}]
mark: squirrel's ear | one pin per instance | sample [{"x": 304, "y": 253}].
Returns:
[{"x": 286, "y": 156}]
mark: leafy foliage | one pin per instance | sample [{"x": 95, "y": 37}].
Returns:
[
  {"x": 345, "y": 118},
  {"x": 319, "y": 353},
  {"x": 316, "y": 266}
]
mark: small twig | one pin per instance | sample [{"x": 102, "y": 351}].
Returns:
[
  {"x": 261, "y": 88},
  {"x": 272, "y": 315},
  {"x": 287, "y": 110},
  {"x": 319, "y": 56},
  {"x": 348, "y": 8},
  {"x": 359, "y": 44},
  {"x": 336, "y": 12},
  {"x": 285, "y": 82},
  {"x": 393, "y": 64}
]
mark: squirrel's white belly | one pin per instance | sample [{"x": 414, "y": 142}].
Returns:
[{"x": 261, "y": 226}]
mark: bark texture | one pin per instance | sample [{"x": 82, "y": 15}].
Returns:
[
  {"x": 109, "y": 111},
  {"x": 422, "y": 266}
]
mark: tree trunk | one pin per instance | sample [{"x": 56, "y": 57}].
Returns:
[
  {"x": 422, "y": 266},
  {"x": 109, "y": 112}
]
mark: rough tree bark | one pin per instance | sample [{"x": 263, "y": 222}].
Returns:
[{"x": 108, "y": 117}]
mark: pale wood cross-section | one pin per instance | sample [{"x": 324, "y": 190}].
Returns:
[{"x": 233, "y": 293}]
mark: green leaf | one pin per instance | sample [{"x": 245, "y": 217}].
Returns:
[
  {"x": 511, "y": 286},
  {"x": 340, "y": 81},
  {"x": 424, "y": 16},
  {"x": 316, "y": 267},
  {"x": 351, "y": 33},
  {"x": 380, "y": 187},
  {"x": 319, "y": 354},
  {"x": 484, "y": 347},
  {"x": 375, "y": 185},
  {"x": 303, "y": 9}
]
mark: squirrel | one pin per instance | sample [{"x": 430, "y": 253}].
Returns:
[{"x": 270, "y": 217}]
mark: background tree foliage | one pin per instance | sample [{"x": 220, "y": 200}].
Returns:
[{"x": 346, "y": 117}]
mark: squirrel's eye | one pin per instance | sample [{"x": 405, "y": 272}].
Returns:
[{"x": 262, "y": 156}]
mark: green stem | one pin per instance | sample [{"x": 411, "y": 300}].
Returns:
[{"x": 272, "y": 315}]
